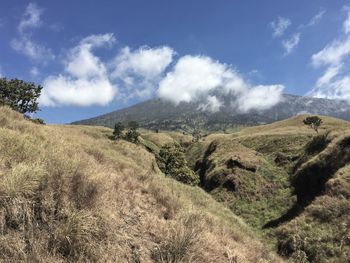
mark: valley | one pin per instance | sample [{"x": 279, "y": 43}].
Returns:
[
  {"x": 285, "y": 180},
  {"x": 270, "y": 193}
]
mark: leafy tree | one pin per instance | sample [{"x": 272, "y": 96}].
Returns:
[
  {"x": 313, "y": 122},
  {"x": 132, "y": 134},
  {"x": 133, "y": 125},
  {"x": 118, "y": 130},
  {"x": 171, "y": 160},
  {"x": 20, "y": 95}
]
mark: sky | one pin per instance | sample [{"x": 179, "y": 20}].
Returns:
[{"x": 93, "y": 57}]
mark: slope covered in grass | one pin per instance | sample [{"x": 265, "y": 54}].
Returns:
[
  {"x": 286, "y": 181},
  {"x": 70, "y": 194}
]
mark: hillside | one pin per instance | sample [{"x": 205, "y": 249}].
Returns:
[
  {"x": 70, "y": 194},
  {"x": 285, "y": 180},
  {"x": 158, "y": 114}
]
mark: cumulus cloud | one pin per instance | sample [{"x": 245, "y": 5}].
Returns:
[
  {"x": 260, "y": 97},
  {"x": 195, "y": 77},
  {"x": 24, "y": 44},
  {"x": 334, "y": 81},
  {"x": 140, "y": 70},
  {"x": 290, "y": 44},
  {"x": 191, "y": 77},
  {"x": 85, "y": 79},
  {"x": 146, "y": 62},
  {"x": 279, "y": 26}
]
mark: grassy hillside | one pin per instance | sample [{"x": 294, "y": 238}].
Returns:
[
  {"x": 70, "y": 194},
  {"x": 287, "y": 181}
]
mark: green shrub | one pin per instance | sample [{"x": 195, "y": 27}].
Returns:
[
  {"x": 172, "y": 162},
  {"x": 38, "y": 121},
  {"x": 313, "y": 122}
]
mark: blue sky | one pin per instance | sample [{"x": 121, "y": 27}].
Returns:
[{"x": 93, "y": 57}]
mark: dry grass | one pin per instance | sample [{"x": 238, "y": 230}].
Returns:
[
  {"x": 295, "y": 125},
  {"x": 69, "y": 194}
]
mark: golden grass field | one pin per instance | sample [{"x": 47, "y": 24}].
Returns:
[{"x": 70, "y": 194}]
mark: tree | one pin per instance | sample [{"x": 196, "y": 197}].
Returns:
[
  {"x": 133, "y": 125},
  {"x": 172, "y": 162},
  {"x": 313, "y": 122},
  {"x": 21, "y": 96},
  {"x": 132, "y": 134},
  {"x": 38, "y": 121},
  {"x": 118, "y": 130}
]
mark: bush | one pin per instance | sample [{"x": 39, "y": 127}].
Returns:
[
  {"x": 38, "y": 121},
  {"x": 118, "y": 130},
  {"x": 313, "y": 121},
  {"x": 172, "y": 162},
  {"x": 180, "y": 243}
]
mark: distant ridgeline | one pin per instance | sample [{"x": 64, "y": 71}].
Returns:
[{"x": 159, "y": 114}]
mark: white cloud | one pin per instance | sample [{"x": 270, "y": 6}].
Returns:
[
  {"x": 191, "y": 77},
  {"x": 213, "y": 104},
  {"x": 280, "y": 26},
  {"x": 85, "y": 81},
  {"x": 66, "y": 90},
  {"x": 146, "y": 62},
  {"x": 290, "y": 44},
  {"x": 329, "y": 74},
  {"x": 25, "y": 44},
  {"x": 35, "y": 51},
  {"x": 195, "y": 77},
  {"x": 31, "y": 17},
  {"x": 260, "y": 98},
  {"x": 332, "y": 54},
  {"x": 334, "y": 83},
  {"x": 82, "y": 63},
  {"x": 316, "y": 18},
  {"x": 140, "y": 70}
]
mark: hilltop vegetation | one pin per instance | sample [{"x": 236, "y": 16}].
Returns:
[
  {"x": 70, "y": 194},
  {"x": 286, "y": 180}
]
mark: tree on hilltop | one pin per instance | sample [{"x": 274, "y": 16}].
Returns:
[
  {"x": 313, "y": 122},
  {"x": 132, "y": 134},
  {"x": 21, "y": 96},
  {"x": 118, "y": 130}
]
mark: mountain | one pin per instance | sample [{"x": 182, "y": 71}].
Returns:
[{"x": 160, "y": 114}]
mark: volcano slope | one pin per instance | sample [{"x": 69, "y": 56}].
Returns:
[
  {"x": 70, "y": 194},
  {"x": 285, "y": 180}
]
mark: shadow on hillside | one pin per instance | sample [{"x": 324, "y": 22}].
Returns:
[{"x": 293, "y": 212}]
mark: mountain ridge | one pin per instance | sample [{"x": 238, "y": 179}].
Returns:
[{"x": 160, "y": 114}]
